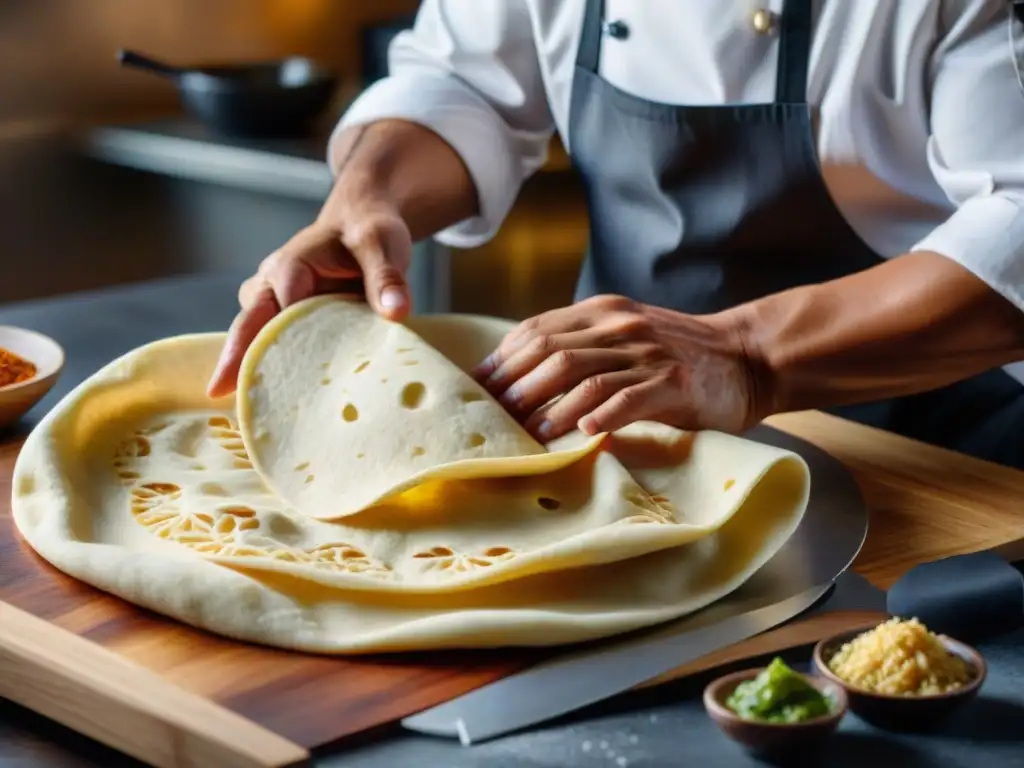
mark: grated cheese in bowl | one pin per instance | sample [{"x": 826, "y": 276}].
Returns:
[{"x": 900, "y": 658}]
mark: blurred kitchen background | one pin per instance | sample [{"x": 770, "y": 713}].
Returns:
[{"x": 105, "y": 179}]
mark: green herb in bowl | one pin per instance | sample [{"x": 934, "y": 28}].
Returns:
[{"x": 778, "y": 695}]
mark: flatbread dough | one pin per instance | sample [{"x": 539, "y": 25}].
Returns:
[
  {"x": 340, "y": 409},
  {"x": 140, "y": 485}
]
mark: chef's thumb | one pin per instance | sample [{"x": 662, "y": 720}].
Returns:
[{"x": 383, "y": 266}]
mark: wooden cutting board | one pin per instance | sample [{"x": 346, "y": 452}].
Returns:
[{"x": 171, "y": 695}]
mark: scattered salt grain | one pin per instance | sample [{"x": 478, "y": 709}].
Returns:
[{"x": 586, "y": 746}]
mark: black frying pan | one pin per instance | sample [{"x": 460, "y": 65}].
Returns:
[{"x": 261, "y": 99}]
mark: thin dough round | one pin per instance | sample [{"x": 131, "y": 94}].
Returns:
[
  {"x": 341, "y": 409},
  {"x": 140, "y": 485}
]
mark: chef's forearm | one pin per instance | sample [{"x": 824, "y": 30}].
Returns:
[
  {"x": 913, "y": 324},
  {"x": 402, "y": 164}
]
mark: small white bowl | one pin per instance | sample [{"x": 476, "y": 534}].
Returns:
[{"x": 48, "y": 358}]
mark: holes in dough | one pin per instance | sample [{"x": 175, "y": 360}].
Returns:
[
  {"x": 405, "y": 349},
  {"x": 237, "y": 517},
  {"x": 309, "y": 479},
  {"x": 729, "y": 484},
  {"x": 302, "y": 466},
  {"x": 238, "y": 510},
  {"x": 230, "y": 440},
  {"x": 410, "y": 362},
  {"x": 497, "y": 552},
  {"x": 153, "y": 496},
  {"x": 360, "y": 455},
  {"x": 350, "y": 413},
  {"x": 281, "y": 525},
  {"x": 418, "y": 451},
  {"x": 325, "y": 381},
  {"x": 214, "y": 489},
  {"x": 475, "y": 440},
  {"x": 134, "y": 447},
  {"x": 548, "y": 503},
  {"x": 471, "y": 397},
  {"x": 346, "y": 557},
  {"x": 234, "y": 445},
  {"x": 434, "y": 552},
  {"x": 26, "y": 485},
  {"x": 413, "y": 395},
  {"x": 127, "y": 452},
  {"x": 447, "y": 559},
  {"x": 362, "y": 366},
  {"x": 151, "y": 490},
  {"x": 229, "y": 524}
]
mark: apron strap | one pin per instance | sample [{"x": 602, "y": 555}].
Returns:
[
  {"x": 794, "y": 52},
  {"x": 794, "y": 47},
  {"x": 589, "y": 53}
]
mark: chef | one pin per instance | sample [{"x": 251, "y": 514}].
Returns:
[{"x": 793, "y": 205}]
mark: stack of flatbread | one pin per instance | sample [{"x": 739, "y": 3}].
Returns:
[{"x": 362, "y": 493}]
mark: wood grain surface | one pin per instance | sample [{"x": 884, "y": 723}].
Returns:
[{"x": 925, "y": 503}]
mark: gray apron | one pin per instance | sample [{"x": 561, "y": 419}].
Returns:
[{"x": 701, "y": 208}]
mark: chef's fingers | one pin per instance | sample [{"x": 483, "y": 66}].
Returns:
[
  {"x": 250, "y": 290},
  {"x": 312, "y": 262},
  {"x": 635, "y": 403},
  {"x": 565, "y": 414},
  {"x": 536, "y": 331},
  {"x": 512, "y": 363},
  {"x": 558, "y": 374},
  {"x": 243, "y": 330},
  {"x": 383, "y": 248}
]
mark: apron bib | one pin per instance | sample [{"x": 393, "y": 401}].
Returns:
[{"x": 701, "y": 208}]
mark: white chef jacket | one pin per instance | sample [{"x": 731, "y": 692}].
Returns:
[{"x": 919, "y": 113}]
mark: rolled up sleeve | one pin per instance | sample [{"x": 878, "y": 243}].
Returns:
[
  {"x": 976, "y": 148},
  {"x": 469, "y": 72}
]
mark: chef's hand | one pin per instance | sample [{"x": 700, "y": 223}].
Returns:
[
  {"x": 322, "y": 258},
  {"x": 611, "y": 361}
]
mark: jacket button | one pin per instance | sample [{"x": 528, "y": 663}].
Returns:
[
  {"x": 763, "y": 21},
  {"x": 617, "y": 29}
]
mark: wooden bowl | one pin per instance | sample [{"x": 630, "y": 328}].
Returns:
[
  {"x": 903, "y": 713},
  {"x": 772, "y": 738},
  {"x": 48, "y": 357}
]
